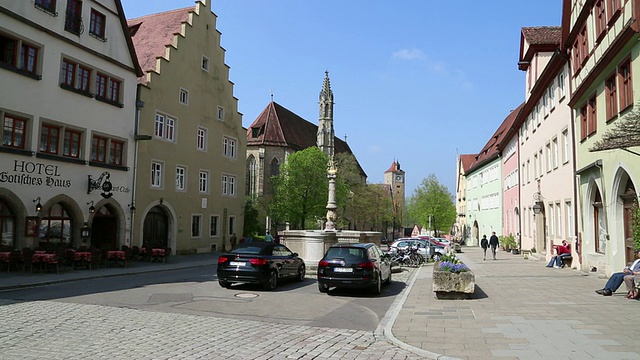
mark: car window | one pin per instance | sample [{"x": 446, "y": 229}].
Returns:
[
  {"x": 281, "y": 251},
  {"x": 344, "y": 252},
  {"x": 248, "y": 250}
]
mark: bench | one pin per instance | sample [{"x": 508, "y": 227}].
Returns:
[{"x": 566, "y": 261}]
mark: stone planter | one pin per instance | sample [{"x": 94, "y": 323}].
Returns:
[{"x": 455, "y": 286}]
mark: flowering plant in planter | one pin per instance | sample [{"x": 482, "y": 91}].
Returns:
[{"x": 453, "y": 267}]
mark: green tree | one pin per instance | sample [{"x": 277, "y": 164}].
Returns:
[
  {"x": 432, "y": 200},
  {"x": 251, "y": 221},
  {"x": 301, "y": 188}
]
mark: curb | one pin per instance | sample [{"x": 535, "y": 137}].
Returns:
[{"x": 384, "y": 331}]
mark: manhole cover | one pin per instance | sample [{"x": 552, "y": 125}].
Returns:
[{"x": 246, "y": 295}]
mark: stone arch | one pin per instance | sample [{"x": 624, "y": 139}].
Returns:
[
  {"x": 114, "y": 216},
  {"x": 622, "y": 215},
  {"x": 594, "y": 215}
]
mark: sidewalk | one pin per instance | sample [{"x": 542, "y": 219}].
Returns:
[
  {"x": 521, "y": 310},
  {"x": 14, "y": 279}
]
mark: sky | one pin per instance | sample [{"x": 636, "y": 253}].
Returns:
[{"x": 416, "y": 82}]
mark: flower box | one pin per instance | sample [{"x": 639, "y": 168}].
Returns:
[{"x": 453, "y": 285}]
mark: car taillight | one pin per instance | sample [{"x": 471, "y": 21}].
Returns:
[
  {"x": 323, "y": 263},
  {"x": 258, "y": 262},
  {"x": 366, "y": 265},
  {"x": 222, "y": 259}
]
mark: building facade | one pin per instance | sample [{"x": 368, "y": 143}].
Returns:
[
  {"x": 601, "y": 39},
  {"x": 189, "y": 187},
  {"x": 68, "y": 123}
]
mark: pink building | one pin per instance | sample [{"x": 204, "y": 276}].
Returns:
[{"x": 510, "y": 187}]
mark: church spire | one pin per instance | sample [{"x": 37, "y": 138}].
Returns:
[{"x": 325, "y": 122}]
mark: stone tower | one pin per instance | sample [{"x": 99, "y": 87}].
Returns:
[
  {"x": 325, "y": 122},
  {"x": 395, "y": 178}
]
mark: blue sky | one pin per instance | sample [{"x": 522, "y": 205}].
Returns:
[{"x": 417, "y": 81}]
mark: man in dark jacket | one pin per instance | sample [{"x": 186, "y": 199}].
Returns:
[
  {"x": 493, "y": 242},
  {"x": 484, "y": 243}
]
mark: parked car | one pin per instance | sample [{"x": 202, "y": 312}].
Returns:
[
  {"x": 427, "y": 247},
  {"x": 261, "y": 263},
  {"x": 443, "y": 241},
  {"x": 354, "y": 266}
]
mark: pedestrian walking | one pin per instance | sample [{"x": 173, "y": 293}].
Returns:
[
  {"x": 268, "y": 237},
  {"x": 233, "y": 240},
  {"x": 484, "y": 243},
  {"x": 493, "y": 242}
]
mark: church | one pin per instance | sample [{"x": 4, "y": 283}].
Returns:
[{"x": 278, "y": 132}]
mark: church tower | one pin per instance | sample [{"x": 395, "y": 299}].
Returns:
[
  {"x": 394, "y": 177},
  {"x": 325, "y": 123}
]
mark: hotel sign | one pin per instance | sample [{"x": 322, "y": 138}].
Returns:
[{"x": 34, "y": 174}]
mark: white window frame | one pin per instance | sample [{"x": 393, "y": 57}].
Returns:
[
  {"x": 156, "y": 174},
  {"x": 164, "y": 127},
  {"x": 201, "y": 139},
  {"x": 565, "y": 146},
  {"x": 561, "y": 85},
  {"x": 552, "y": 220},
  {"x": 220, "y": 113},
  {"x": 554, "y": 149},
  {"x": 181, "y": 178},
  {"x": 228, "y": 185},
  {"x": 558, "y": 220},
  {"x": 199, "y": 224},
  {"x": 552, "y": 96},
  {"x": 229, "y": 146},
  {"x": 569, "y": 216},
  {"x": 183, "y": 96},
  {"x": 203, "y": 182},
  {"x": 549, "y": 157}
]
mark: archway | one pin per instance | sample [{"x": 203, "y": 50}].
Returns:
[
  {"x": 7, "y": 225},
  {"x": 104, "y": 234},
  {"x": 156, "y": 228},
  {"x": 629, "y": 199},
  {"x": 475, "y": 232}
]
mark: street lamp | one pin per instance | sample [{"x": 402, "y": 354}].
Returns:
[{"x": 537, "y": 208}]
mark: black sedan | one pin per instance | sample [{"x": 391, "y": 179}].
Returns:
[
  {"x": 261, "y": 263},
  {"x": 354, "y": 266}
]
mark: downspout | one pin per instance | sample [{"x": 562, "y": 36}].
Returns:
[{"x": 132, "y": 208}]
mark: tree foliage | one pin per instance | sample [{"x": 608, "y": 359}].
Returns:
[
  {"x": 301, "y": 188},
  {"x": 432, "y": 199},
  {"x": 251, "y": 221},
  {"x": 624, "y": 133}
]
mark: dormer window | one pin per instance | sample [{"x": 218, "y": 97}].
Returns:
[{"x": 257, "y": 131}]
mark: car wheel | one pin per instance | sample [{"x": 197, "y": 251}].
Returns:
[
  {"x": 302, "y": 272},
  {"x": 323, "y": 288},
  {"x": 377, "y": 287},
  {"x": 225, "y": 284},
  {"x": 272, "y": 280}
]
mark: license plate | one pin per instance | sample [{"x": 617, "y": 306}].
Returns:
[
  {"x": 237, "y": 263},
  {"x": 343, "y": 270}
]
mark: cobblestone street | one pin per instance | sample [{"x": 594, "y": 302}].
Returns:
[{"x": 57, "y": 330}]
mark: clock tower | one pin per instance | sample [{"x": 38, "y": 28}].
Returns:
[{"x": 394, "y": 177}]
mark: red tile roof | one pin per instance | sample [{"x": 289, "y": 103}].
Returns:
[
  {"x": 542, "y": 35},
  {"x": 151, "y": 35},
  {"x": 278, "y": 126},
  {"x": 395, "y": 166},
  {"x": 491, "y": 149},
  {"x": 467, "y": 160}
]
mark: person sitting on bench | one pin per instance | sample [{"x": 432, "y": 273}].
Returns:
[
  {"x": 563, "y": 250},
  {"x": 616, "y": 279}
]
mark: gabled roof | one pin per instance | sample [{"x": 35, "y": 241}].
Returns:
[
  {"x": 539, "y": 39},
  {"x": 152, "y": 34},
  {"x": 395, "y": 166},
  {"x": 278, "y": 126},
  {"x": 491, "y": 150},
  {"x": 467, "y": 160}
]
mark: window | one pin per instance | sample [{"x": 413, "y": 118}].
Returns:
[
  {"x": 558, "y": 220},
  {"x": 196, "y": 225},
  {"x": 614, "y": 9},
  {"x": 625, "y": 83},
  {"x": 561, "y": 85},
  {"x": 554, "y": 149},
  {"x": 592, "y": 116},
  {"x": 203, "y": 182},
  {"x": 13, "y": 131},
  {"x": 181, "y": 173},
  {"x": 611, "y": 96},
  {"x": 232, "y": 225},
  {"x": 569, "y": 216},
  {"x": 183, "y": 97},
  {"x": 68, "y": 73},
  {"x": 47, "y": 5},
  {"x": 599, "y": 232},
  {"x": 108, "y": 89},
  {"x": 56, "y": 226},
  {"x": 549, "y": 157},
  {"x": 228, "y": 185},
  {"x": 583, "y": 122},
  {"x": 28, "y": 58},
  {"x": 19, "y": 56},
  {"x": 84, "y": 76},
  {"x": 71, "y": 146},
  {"x": 220, "y": 113},
  {"x": 156, "y": 174},
  {"x": 107, "y": 150},
  {"x": 205, "y": 63},
  {"x": 565, "y": 146},
  {"x": 600, "y": 18},
  {"x": 551, "y": 93},
  {"x": 545, "y": 104},
  {"x": 97, "y": 24},
  {"x": 229, "y": 147},
  {"x": 73, "y": 19},
  {"x": 528, "y": 169},
  {"x": 251, "y": 180},
  {"x": 201, "y": 139},
  {"x": 213, "y": 225},
  {"x": 164, "y": 127},
  {"x": 552, "y": 219},
  {"x": 49, "y": 139}
]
